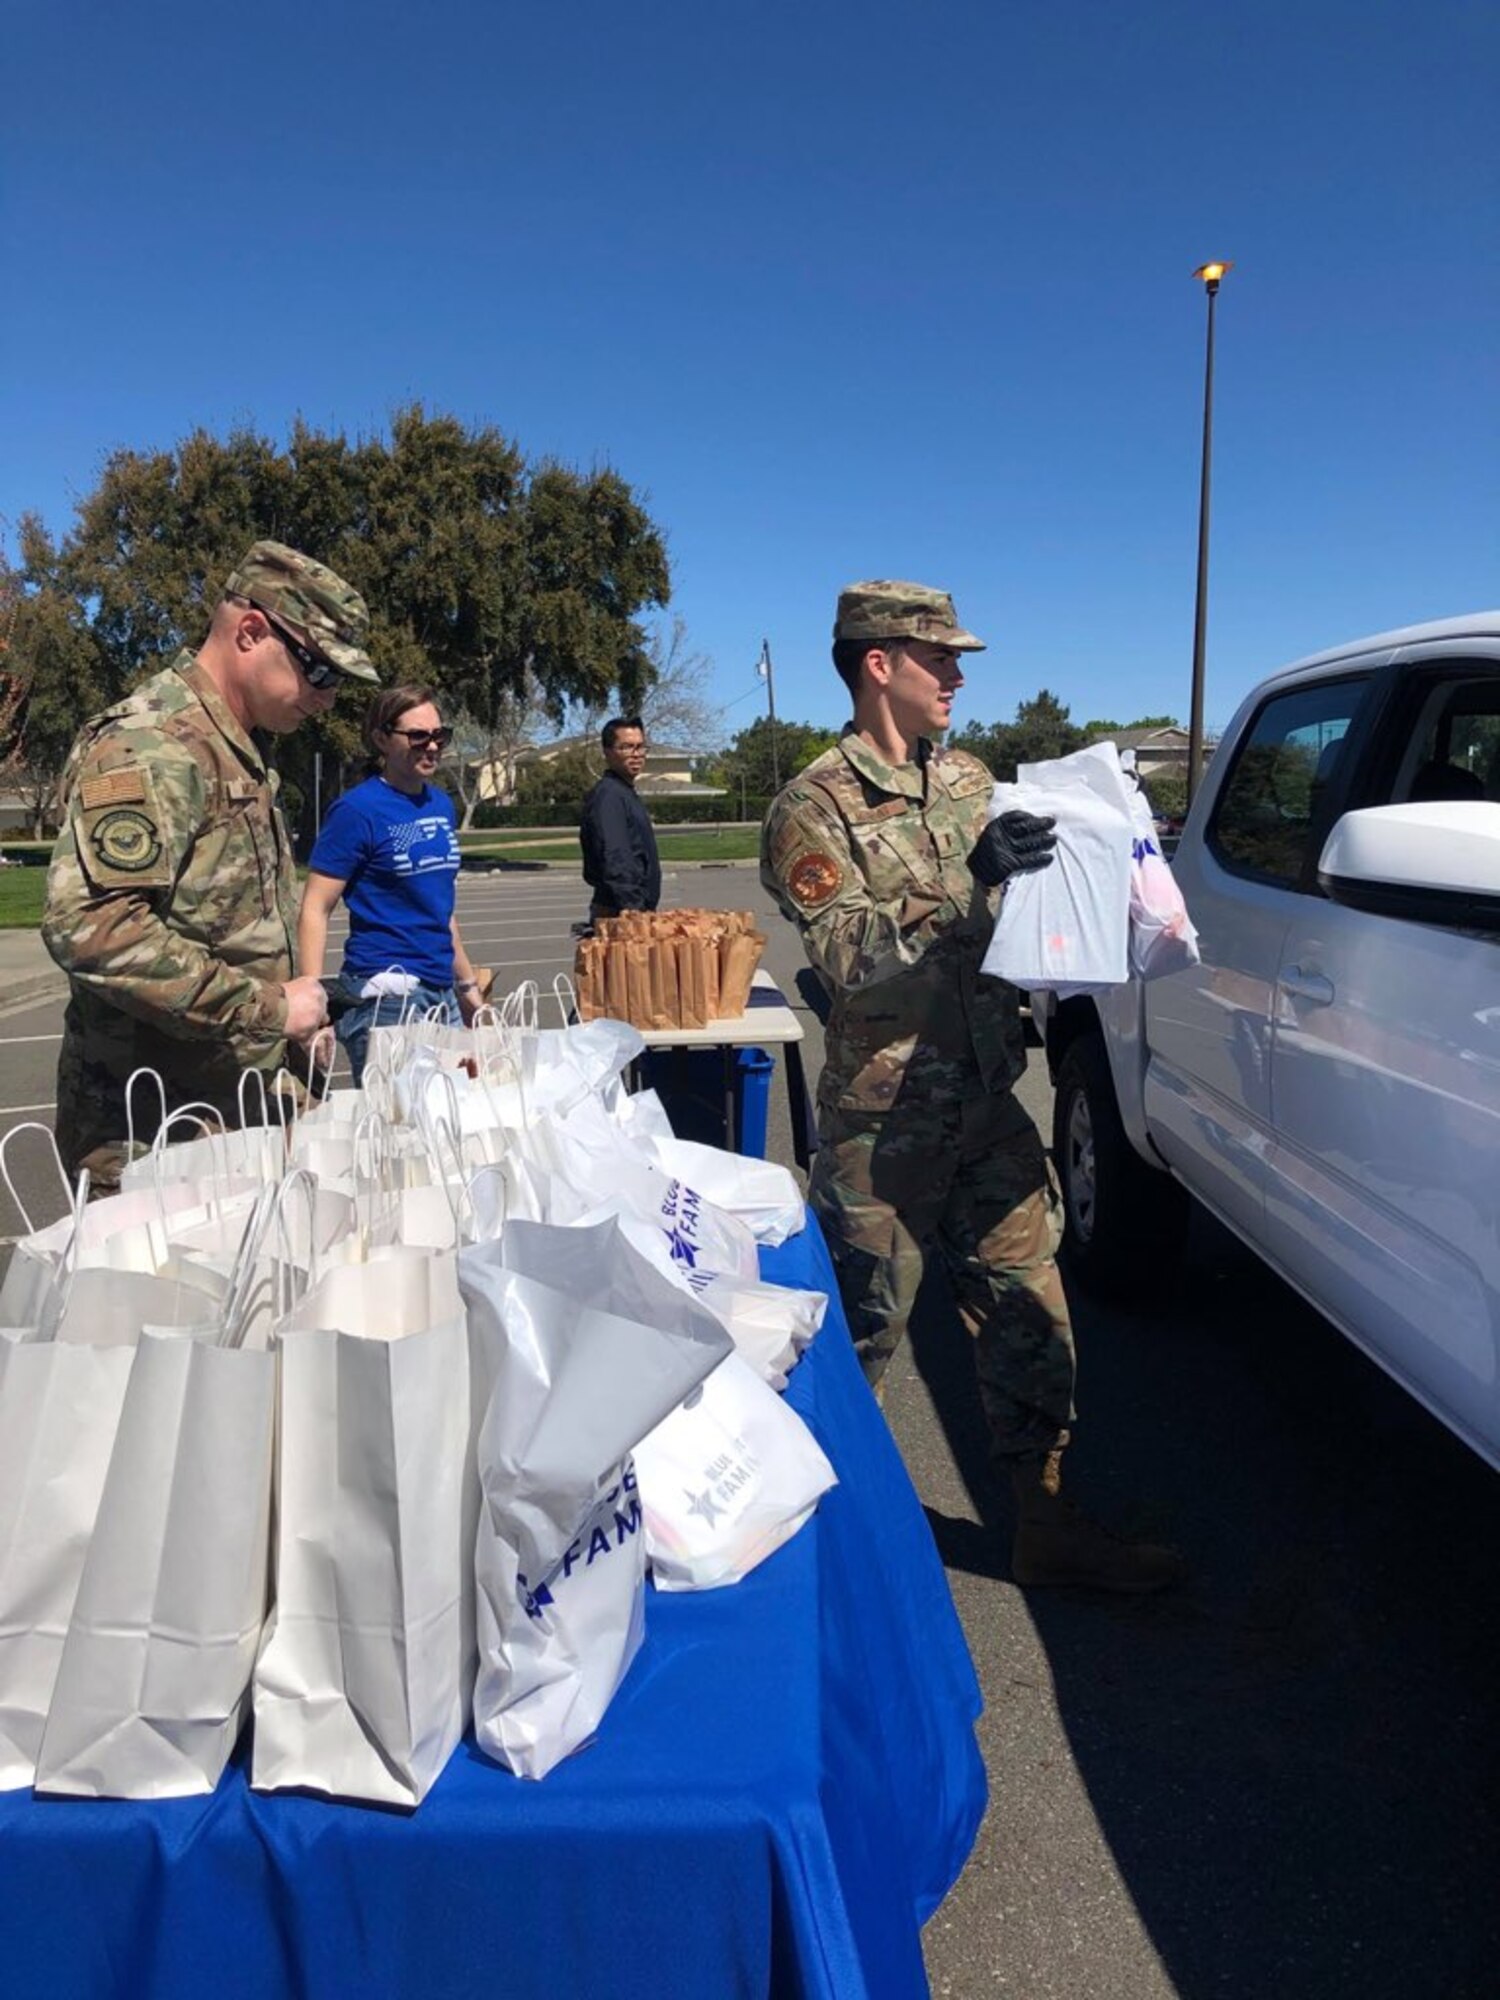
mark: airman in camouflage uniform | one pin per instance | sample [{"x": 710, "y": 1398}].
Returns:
[
  {"x": 922, "y": 1145},
  {"x": 172, "y": 897}
]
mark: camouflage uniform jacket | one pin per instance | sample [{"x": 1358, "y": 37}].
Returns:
[
  {"x": 171, "y": 901},
  {"x": 869, "y": 860}
]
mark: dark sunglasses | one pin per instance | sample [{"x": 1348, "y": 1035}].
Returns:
[
  {"x": 419, "y": 739},
  {"x": 316, "y": 671}
]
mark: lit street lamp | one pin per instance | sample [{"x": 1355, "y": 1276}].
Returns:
[{"x": 1212, "y": 275}]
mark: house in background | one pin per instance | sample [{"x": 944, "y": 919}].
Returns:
[
  {"x": 669, "y": 772},
  {"x": 1159, "y": 753}
]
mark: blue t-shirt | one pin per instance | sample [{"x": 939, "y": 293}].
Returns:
[{"x": 399, "y": 856}]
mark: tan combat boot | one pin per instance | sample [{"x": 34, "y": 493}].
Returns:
[{"x": 1056, "y": 1544}]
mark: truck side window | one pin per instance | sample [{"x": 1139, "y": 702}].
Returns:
[{"x": 1264, "y": 817}]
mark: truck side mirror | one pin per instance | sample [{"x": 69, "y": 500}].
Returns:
[{"x": 1433, "y": 863}]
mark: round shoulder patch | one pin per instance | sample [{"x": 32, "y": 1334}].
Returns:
[
  {"x": 126, "y": 840},
  {"x": 813, "y": 880}
]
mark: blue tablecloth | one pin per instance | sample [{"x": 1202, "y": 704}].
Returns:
[{"x": 784, "y": 1789}]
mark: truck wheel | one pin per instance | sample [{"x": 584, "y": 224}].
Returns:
[{"x": 1124, "y": 1219}]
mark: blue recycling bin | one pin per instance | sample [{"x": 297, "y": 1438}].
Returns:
[{"x": 699, "y": 1091}]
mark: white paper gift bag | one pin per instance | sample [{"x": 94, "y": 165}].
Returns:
[
  {"x": 60, "y": 1407},
  {"x": 248, "y": 1152},
  {"x": 363, "y": 1685},
  {"x": 309, "y": 1224},
  {"x": 110, "y": 1308},
  {"x": 725, "y": 1480},
  {"x": 579, "y": 1346},
  {"x": 131, "y": 1232},
  {"x": 153, "y": 1684},
  {"x": 62, "y": 1387}
]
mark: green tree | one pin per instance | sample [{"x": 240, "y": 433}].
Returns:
[
  {"x": 508, "y": 586},
  {"x": 54, "y": 676},
  {"x": 593, "y": 562},
  {"x": 1041, "y": 729},
  {"x": 560, "y": 780},
  {"x": 1166, "y": 792},
  {"x": 749, "y": 766}
]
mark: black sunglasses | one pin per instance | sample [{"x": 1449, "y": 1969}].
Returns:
[
  {"x": 419, "y": 739},
  {"x": 316, "y": 671}
]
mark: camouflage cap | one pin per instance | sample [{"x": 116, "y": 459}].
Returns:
[
  {"x": 885, "y": 610},
  {"x": 319, "y": 606}
]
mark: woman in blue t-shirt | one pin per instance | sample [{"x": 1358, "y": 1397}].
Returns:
[{"x": 389, "y": 847}]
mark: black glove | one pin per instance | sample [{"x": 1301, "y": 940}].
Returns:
[{"x": 1014, "y": 844}]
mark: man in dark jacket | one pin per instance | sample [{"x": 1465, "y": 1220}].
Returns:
[{"x": 620, "y": 862}]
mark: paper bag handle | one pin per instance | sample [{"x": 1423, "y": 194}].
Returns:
[
  {"x": 60, "y": 1282},
  {"x": 235, "y": 1319},
  {"x": 300, "y": 1178},
  {"x": 258, "y": 1077},
  {"x": 130, "y": 1084},
  {"x": 31, "y": 1125}
]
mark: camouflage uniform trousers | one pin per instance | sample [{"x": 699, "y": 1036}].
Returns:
[
  {"x": 965, "y": 1178},
  {"x": 92, "y": 1121}
]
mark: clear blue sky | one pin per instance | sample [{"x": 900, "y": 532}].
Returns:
[{"x": 846, "y": 289}]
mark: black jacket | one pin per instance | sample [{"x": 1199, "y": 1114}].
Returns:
[{"x": 620, "y": 862}]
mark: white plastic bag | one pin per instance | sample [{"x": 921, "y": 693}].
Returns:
[
  {"x": 770, "y": 1325},
  {"x": 583, "y": 1348},
  {"x": 1162, "y": 937},
  {"x": 553, "y": 1655},
  {"x": 600, "y": 1163},
  {"x": 1066, "y": 928},
  {"x": 762, "y": 1194},
  {"x": 578, "y": 1347},
  {"x": 725, "y": 1480}
]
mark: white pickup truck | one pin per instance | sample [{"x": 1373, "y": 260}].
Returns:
[{"x": 1327, "y": 1081}]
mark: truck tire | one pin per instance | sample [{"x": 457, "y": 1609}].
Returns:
[{"x": 1124, "y": 1220}]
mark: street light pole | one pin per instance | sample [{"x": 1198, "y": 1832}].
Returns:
[
  {"x": 764, "y": 669},
  {"x": 1212, "y": 275}
]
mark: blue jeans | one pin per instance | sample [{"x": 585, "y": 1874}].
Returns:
[{"x": 386, "y": 1011}]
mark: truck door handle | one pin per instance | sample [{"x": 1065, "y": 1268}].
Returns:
[{"x": 1309, "y": 986}]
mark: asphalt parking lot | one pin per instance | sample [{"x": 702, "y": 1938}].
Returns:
[{"x": 1280, "y": 1783}]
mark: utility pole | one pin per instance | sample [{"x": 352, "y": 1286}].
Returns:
[
  {"x": 767, "y": 674},
  {"x": 1211, "y": 276}
]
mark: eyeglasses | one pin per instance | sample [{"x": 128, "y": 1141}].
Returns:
[
  {"x": 419, "y": 739},
  {"x": 316, "y": 671}
]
